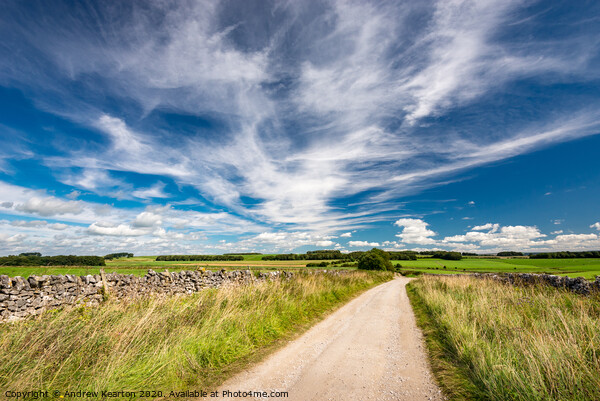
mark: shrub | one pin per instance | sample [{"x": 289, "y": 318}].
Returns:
[
  {"x": 317, "y": 264},
  {"x": 375, "y": 259},
  {"x": 60, "y": 260},
  {"x": 111, "y": 256},
  {"x": 403, "y": 255},
  {"x": 509, "y": 253},
  {"x": 205, "y": 258}
]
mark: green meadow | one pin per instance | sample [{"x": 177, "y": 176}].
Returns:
[
  {"x": 140, "y": 265},
  {"x": 587, "y": 268}
]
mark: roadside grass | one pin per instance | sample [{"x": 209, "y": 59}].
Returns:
[
  {"x": 490, "y": 341},
  {"x": 587, "y": 268},
  {"x": 168, "y": 343}
]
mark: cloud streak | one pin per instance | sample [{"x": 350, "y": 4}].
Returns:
[{"x": 287, "y": 119}]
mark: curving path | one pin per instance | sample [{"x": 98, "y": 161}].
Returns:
[{"x": 370, "y": 349}]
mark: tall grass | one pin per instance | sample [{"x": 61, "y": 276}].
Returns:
[
  {"x": 177, "y": 343},
  {"x": 491, "y": 341}
]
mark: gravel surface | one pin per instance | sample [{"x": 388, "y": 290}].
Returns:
[{"x": 370, "y": 349}]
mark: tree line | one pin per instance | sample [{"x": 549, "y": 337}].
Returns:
[
  {"x": 326, "y": 254},
  {"x": 565, "y": 255},
  {"x": 60, "y": 260},
  {"x": 447, "y": 255},
  {"x": 204, "y": 258},
  {"x": 111, "y": 256},
  {"x": 30, "y": 254},
  {"x": 337, "y": 255}
]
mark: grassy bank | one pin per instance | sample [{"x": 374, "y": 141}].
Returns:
[
  {"x": 177, "y": 343},
  {"x": 490, "y": 341}
]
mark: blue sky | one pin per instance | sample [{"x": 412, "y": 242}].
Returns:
[{"x": 165, "y": 127}]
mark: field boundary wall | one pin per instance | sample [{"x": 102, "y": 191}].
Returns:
[
  {"x": 578, "y": 285},
  {"x": 21, "y": 297}
]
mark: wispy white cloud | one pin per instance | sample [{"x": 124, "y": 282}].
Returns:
[
  {"x": 155, "y": 191},
  {"x": 362, "y": 243}
]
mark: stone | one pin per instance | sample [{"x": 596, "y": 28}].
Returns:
[
  {"x": 19, "y": 283},
  {"x": 34, "y": 282},
  {"x": 5, "y": 282}
]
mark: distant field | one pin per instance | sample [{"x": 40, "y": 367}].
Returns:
[
  {"x": 139, "y": 266},
  {"x": 587, "y": 268}
]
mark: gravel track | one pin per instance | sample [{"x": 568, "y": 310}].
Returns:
[{"x": 369, "y": 349}]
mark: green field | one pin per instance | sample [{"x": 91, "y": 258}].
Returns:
[
  {"x": 139, "y": 265},
  {"x": 587, "y": 268}
]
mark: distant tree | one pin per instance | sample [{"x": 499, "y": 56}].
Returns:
[
  {"x": 30, "y": 254},
  {"x": 509, "y": 253},
  {"x": 206, "y": 258},
  {"x": 403, "y": 255},
  {"x": 60, "y": 260},
  {"x": 111, "y": 256},
  {"x": 317, "y": 264},
  {"x": 375, "y": 259},
  {"x": 447, "y": 255},
  {"x": 565, "y": 255}
]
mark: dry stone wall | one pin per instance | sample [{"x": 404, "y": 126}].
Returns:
[
  {"x": 21, "y": 297},
  {"x": 579, "y": 284}
]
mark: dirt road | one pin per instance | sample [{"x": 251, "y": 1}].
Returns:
[{"x": 370, "y": 349}]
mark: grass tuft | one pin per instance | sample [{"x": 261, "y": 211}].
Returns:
[{"x": 487, "y": 340}]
